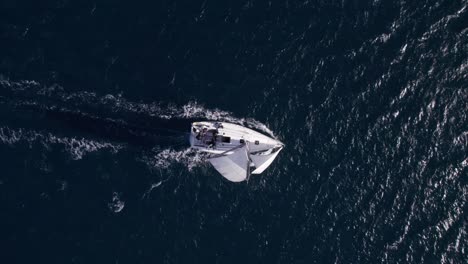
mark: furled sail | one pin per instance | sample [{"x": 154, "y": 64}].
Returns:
[{"x": 235, "y": 167}]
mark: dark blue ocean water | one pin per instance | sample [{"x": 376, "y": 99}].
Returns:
[{"x": 370, "y": 98}]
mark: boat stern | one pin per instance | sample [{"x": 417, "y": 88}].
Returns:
[{"x": 194, "y": 130}]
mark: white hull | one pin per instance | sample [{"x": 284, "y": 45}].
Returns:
[{"x": 229, "y": 141}]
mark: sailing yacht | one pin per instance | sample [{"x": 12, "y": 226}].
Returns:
[{"x": 237, "y": 151}]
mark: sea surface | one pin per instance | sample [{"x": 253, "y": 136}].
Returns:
[{"x": 369, "y": 97}]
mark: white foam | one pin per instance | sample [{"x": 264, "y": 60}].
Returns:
[
  {"x": 76, "y": 147},
  {"x": 153, "y": 186},
  {"x": 116, "y": 205},
  {"x": 19, "y": 85},
  {"x": 461, "y": 140},
  {"x": 167, "y": 157}
]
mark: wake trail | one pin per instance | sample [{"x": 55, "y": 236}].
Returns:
[
  {"x": 159, "y": 129},
  {"x": 75, "y": 146}
]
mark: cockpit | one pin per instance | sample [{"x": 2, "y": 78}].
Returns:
[{"x": 209, "y": 136}]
